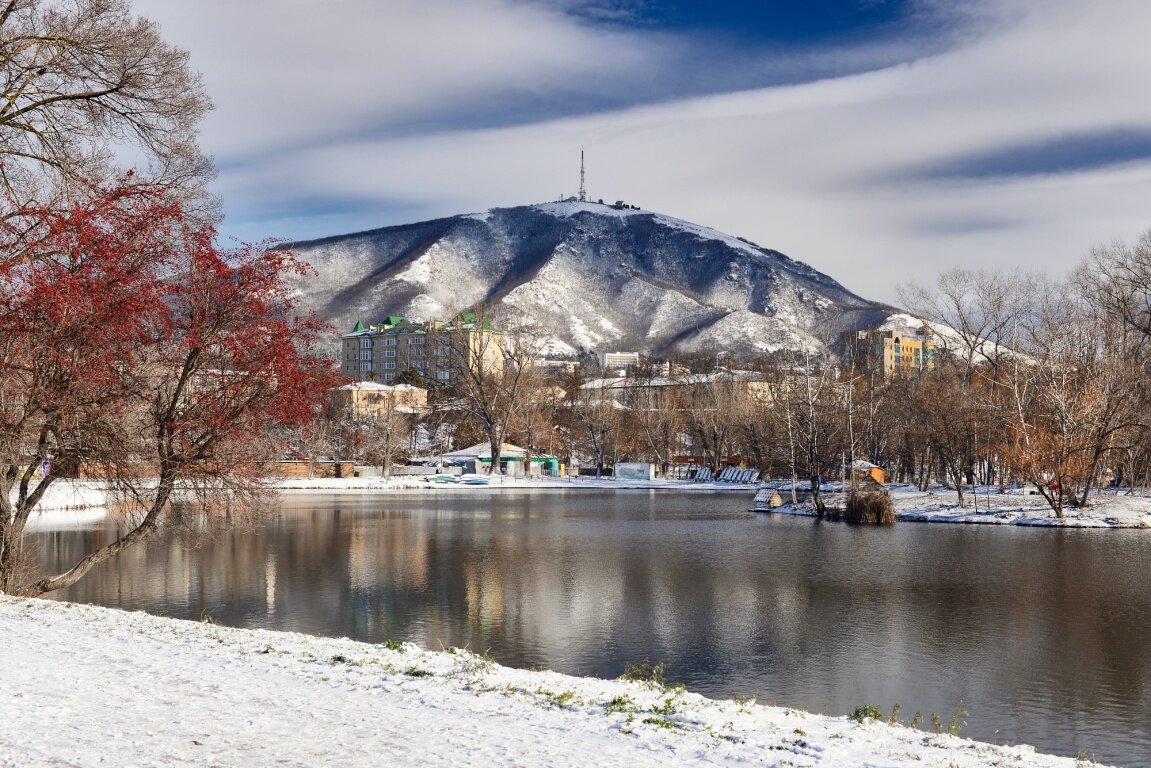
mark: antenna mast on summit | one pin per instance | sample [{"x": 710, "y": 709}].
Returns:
[{"x": 582, "y": 190}]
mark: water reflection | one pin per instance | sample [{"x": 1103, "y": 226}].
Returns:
[{"x": 1044, "y": 635}]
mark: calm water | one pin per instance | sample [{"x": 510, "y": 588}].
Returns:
[{"x": 1044, "y": 635}]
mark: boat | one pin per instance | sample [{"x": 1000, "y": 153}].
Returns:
[
  {"x": 475, "y": 479},
  {"x": 442, "y": 479}
]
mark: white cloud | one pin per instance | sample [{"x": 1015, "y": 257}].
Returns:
[{"x": 824, "y": 171}]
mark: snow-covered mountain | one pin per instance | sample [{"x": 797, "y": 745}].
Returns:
[{"x": 597, "y": 277}]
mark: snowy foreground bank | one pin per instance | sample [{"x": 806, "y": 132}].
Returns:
[{"x": 85, "y": 686}]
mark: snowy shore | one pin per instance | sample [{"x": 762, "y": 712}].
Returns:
[
  {"x": 75, "y": 502},
  {"x": 990, "y": 507},
  {"x": 87, "y": 686}
]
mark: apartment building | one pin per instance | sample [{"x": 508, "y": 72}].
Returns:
[
  {"x": 435, "y": 351},
  {"x": 888, "y": 351}
]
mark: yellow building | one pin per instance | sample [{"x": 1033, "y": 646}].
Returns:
[
  {"x": 888, "y": 351},
  {"x": 367, "y": 400}
]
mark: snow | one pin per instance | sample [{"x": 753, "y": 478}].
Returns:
[
  {"x": 87, "y": 686},
  {"x": 568, "y": 208},
  {"x": 596, "y": 286},
  {"x": 69, "y": 504},
  {"x": 987, "y": 506}
]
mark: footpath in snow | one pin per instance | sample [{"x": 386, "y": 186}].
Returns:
[{"x": 88, "y": 686}]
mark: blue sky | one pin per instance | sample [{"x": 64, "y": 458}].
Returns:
[
  {"x": 784, "y": 22},
  {"x": 879, "y": 141}
]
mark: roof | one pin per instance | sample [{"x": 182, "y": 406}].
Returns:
[
  {"x": 373, "y": 386},
  {"x": 673, "y": 381},
  {"x": 484, "y": 451}
]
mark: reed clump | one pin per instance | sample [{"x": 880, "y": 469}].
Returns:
[{"x": 869, "y": 508}]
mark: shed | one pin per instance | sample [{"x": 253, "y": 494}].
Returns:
[{"x": 865, "y": 470}]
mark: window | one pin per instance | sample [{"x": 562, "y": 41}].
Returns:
[
  {"x": 365, "y": 366},
  {"x": 365, "y": 343},
  {"x": 389, "y": 353},
  {"x": 444, "y": 375},
  {"x": 388, "y": 376},
  {"x": 388, "y": 366},
  {"x": 418, "y": 363},
  {"x": 418, "y": 352},
  {"x": 365, "y": 354},
  {"x": 390, "y": 341},
  {"x": 416, "y": 340}
]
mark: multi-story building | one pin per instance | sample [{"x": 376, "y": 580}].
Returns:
[
  {"x": 888, "y": 351},
  {"x": 366, "y": 400},
  {"x": 618, "y": 360},
  {"x": 436, "y": 352}
]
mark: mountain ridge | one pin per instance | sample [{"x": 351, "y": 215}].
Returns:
[{"x": 595, "y": 276}]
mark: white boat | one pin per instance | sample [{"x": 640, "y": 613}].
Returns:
[{"x": 475, "y": 479}]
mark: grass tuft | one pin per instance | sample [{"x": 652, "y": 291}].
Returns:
[
  {"x": 869, "y": 508},
  {"x": 645, "y": 672}
]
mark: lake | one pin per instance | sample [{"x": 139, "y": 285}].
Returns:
[{"x": 1044, "y": 635}]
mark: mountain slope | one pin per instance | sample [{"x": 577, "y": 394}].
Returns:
[{"x": 595, "y": 276}]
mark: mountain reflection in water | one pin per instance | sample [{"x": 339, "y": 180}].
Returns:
[{"x": 1045, "y": 635}]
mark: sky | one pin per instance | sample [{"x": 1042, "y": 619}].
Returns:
[{"x": 880, "y": 141}]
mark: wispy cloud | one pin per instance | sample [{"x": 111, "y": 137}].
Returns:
[{"x": 1009, "y": 133}]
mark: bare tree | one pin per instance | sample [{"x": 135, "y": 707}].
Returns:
[
  {"x": 385, "y": 435},
  {"x": 492, "y": 369},
  {"x": 656, "y": 411},
  {"x": 976, "y": 313},
  {"x": 594, "y": 414},
  {"x": 712, "y": 415},
  {"x": 1075, "y": 395},
  {"x": 85, "y": 81}
]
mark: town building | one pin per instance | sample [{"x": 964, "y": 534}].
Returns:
[
  {"x": 888, "y": 352},
  {"x": 370, "y": 400},
  {"x": 433, "y": 352},
  {"x": 618, "y": 360}
]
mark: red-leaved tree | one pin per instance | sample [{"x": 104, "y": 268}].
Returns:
[{"x": 135, "y": 351}]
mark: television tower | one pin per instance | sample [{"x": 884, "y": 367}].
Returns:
[{"x": 582, "y": 190}]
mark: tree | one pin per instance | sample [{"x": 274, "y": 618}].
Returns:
[
  {"x": 981, "y": 310},
  {"x": 1079, "y": 390},
  {"x": 133, "y": 349},
  {"x": 711, "y": 415},
  {"x": 491, "y": 368},
  {"x": 655, "y": 410},
  {"x": 81, "y": 81},
  {"x": 594, "y": 414},
  {"x": 385, "y": 434}
]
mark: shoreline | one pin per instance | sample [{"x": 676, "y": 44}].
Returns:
[
  {"x": 941, "y": 506},
  {"x": 77, "y": 502},
  {"x": 192, "y": 693}
]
